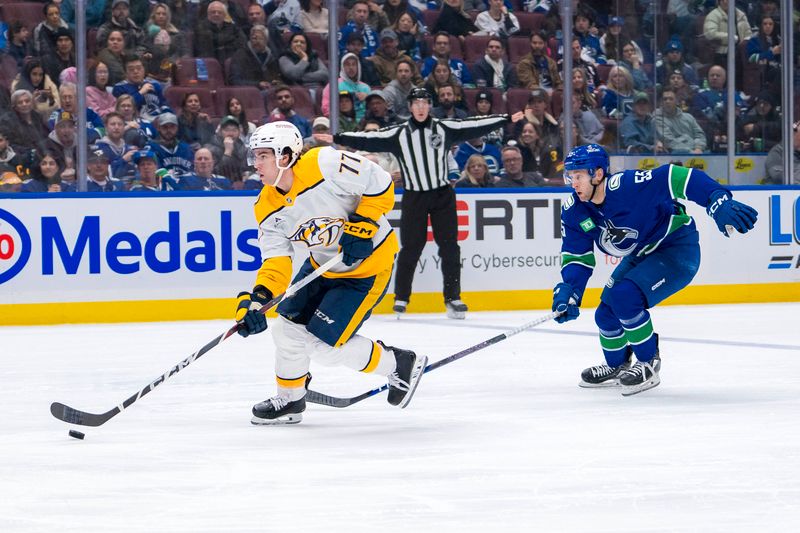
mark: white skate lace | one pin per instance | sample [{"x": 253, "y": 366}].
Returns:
[
  {"x": 396, "y": 382},
  {"x": 279, "y": 402},
  {"x": 638, "y": 369},
  {"x": 601, "y": 371}
]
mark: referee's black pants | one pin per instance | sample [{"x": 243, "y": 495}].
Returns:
[{"x": 440, "y": 204}]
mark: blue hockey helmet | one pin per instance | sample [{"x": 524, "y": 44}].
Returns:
[{"x": 589, "y": 157}]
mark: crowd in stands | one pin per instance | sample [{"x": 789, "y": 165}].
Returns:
[{"x": 175, "y": 88}]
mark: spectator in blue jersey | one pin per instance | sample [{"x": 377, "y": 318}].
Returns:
[
  {"x": 489, "y": 152},
  {"x": 138, "y": 132},
  {"x": 118, "y": 153},
  {"x": 673, "y": 60},
  {"x": 68, "y": 96},
  {"x": 147, "y": 176},
  {"x": 358, "y": 24},
  {"x": 173, "y": 154},
  {"x": 638, "y": 130},
  {"x": 97, "y": 178},
  {"x": 441, "y": 52},
  {"x": 148, "y": 95},
  {"x": 618, "y": 96},
  {"x": 639, "y": 216},
  {"x": 285, "y": 111},
  {"x": 711, "y": 103},
  {"x": 589, "y": 42},
  {"x": 230, "y": 153},
  {"x": 203, "y": 177}
]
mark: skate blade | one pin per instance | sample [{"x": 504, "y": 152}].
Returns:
[
  {"x": 457, "y": 315},
  {"x": 416, "y": 376},
  {"x": 636, "y": 389},
  {"x": 610, "y": 384},
  {"x": 280, "y": 421}
]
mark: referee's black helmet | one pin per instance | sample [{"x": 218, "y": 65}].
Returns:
[{"x": 419, "y": 93}]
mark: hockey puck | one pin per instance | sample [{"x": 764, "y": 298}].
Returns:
[{"x": 76, "y": 434}]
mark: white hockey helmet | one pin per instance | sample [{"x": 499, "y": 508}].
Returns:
[{"x": 277, "y": 136}]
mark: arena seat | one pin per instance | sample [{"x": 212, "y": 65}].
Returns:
[
  {"x": 529, "y": 23},
  {"x": 518, "y": 47},
  {"x": 186, "y": 75},
  {"x": 250, "y": 97},
  {"x": 475, "y": 47},
  {"x": 29, "y": 13},
  {"x": 498, "y": 102}
]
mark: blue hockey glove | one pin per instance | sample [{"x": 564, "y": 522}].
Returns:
[
  {"x": 566, "y": 302},
  {"x": 730, "y": 214},
  {"x": 248, "y": 315},
  {"x": 356, "y": 241}
]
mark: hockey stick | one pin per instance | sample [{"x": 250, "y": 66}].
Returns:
[
  {"x": 333, "y": 401},
  {"x": 82, "y": 418}
]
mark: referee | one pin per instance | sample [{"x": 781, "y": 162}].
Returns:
[{"x": 422, "y": 146}]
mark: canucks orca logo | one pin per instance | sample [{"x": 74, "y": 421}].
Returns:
[
  {"x": 321, "y": 231},
  {"x": 616, "y": 241}
]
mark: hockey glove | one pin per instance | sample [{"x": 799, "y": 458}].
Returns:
[
  {"x": 566, "y": 302},
  {"x": 356, "y": 241},
  {"x": 730, "y": 214},
  {"x": 248, "y": 315}
]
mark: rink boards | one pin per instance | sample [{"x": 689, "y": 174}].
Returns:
[{"x": 124, "y": 257}]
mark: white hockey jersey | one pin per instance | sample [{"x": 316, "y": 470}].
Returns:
[{"x": 329, "y": 185}]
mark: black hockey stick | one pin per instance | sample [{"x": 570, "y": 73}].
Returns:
[
  {"x": 333, "y": 401},
  {"x": 82, "y": 418}
]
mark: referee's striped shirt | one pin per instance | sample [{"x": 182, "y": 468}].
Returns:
[{"x": 422, "y": 147}]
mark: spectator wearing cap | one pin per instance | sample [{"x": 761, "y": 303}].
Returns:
[
  {"x": 378, "y": 110},
  {"x": 347, "y": 112},
  {"x": 355, "y": 45},
  {"x": 62, "y": 57},
  {"x": 147, "y": 94},
  {"x": 760, "y": 127},
  {"x": 673, "y": 60},
  {"x": 230, "y": 153},
  {"x": 612, "y": 42},
  {"x": 496, "y": 21},
  {"x": 590, "y": 44},
  {"x": 285, "y": 111},
  {"x": 678, "y": 131},
  {"x": 24, "y": 126},
  {"x": 300, "y": 65},
  {"x": 121, "y": 21},
  {"x": 173, "y": 154},
  {"x": 97, "y": 170},
  {"x": 400, "y": 87},
  {"x": 446, "y": 103},
  {"x": 454, "y": 20},
  {"x": 387, "y": 56},
  {"x": 147, "y": 176},
  {"x": 117, "y": 151},
  {"x": 255, "y": 64},
  {"x": 537, "y": 112},
  {"x": 483, "y": 107},
  {"x": 216, "y": 36},
  {"x": 441, "y": 52},
  {"x": 684, "y": 93},
  {"x": 538, "y": 70},
  {"x": 321, "y": 129},
  {"x": 44, "y": 33},
  {"x": 638, "y": 129},
  {"x": 492, "y": 70},
  {"x": 203, "y": 178},
  {"x": 513, "y": 176},
  {"x": 350, "y": 81},
  {"x": 774, "y": 163},
  {"x": 68, "y": 97},
  {"x": 62, "y": 139},
  {"x": 715, "y": 29},
  {"x": 358, "y": 24}
]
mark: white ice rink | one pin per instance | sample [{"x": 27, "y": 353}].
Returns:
[{"x": 502, "y": 440}]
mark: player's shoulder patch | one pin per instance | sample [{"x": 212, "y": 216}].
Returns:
[
  {"x": 569, "y": 202},
  {"x": 615, "y": 181}
]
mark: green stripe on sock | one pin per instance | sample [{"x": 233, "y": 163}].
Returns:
[
  {"x": 613, "y": 343},
  {"x": 678, "y": 178},
  {"x": 640, "y": 334}
]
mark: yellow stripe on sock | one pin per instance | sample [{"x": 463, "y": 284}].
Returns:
[
  {"x": 374, "y": 358},
  {"x": 291, "y": 383}
]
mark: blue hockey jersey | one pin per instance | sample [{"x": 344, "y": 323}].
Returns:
[
  {"x": 641, "y": 212},
  {"x": 178, "y": 159}
]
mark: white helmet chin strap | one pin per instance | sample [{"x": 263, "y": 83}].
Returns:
[{"x": 280, "y": 171}]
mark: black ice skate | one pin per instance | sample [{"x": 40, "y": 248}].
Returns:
[
  {"x": 604, "y": 375},
  {"x": 456, "y": 309},
  {"x": 641, "y": 376},
  {"x": 399, "y": 307},
  {"x": 404, "y": 380},
  {"x": 279, "y": 410}
]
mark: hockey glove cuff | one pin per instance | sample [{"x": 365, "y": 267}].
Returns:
[
  {"x": 566, "y": 302},
  {"x": 356, "y": 241},
  {"x": 248, "y": 311},
  {"x": 729, "y": 214}
]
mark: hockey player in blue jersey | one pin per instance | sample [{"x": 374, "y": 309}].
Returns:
[{"x": 636, "y": 215}]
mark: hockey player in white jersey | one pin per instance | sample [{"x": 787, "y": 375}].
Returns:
[{"x": 320, "y": 203}]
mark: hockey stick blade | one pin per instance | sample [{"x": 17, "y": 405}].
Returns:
[
  {"x": 82, "y": 418},
  {"x": 333, "y": 401}
]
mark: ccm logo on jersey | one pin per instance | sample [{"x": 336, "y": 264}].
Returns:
[{"x": 321, "y": 231}]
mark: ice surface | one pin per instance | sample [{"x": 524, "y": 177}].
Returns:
[{"x": 502, "y": 440}]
